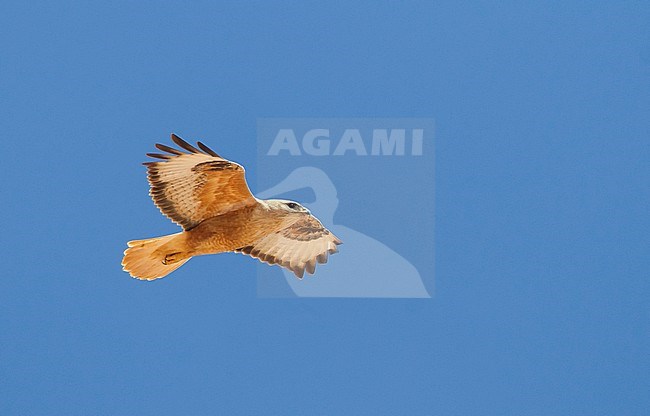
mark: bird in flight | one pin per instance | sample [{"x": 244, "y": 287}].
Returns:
[{"x": 209, "y": 198}]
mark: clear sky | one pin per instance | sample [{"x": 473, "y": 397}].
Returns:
[{"x": 541, "y": 256}]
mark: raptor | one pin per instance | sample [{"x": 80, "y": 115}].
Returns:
[{"x": 209, "y": 198}]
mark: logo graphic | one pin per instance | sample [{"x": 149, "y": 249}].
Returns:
[{"x": 370, "y": 181}]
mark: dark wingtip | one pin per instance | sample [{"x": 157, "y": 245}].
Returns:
[
  {"x": 158, "y": 156},
  {"x": 207, "y": 150},
  {"x": 322, "y": 258},
  {"x": 311, "y": 266},
  {"x": 168, "y": 149},
  {"x": 299, "y": 272},
  {"x": 185, "y": 145}
]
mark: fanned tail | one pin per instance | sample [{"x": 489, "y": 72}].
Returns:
[{"x": 154, "y": 258}]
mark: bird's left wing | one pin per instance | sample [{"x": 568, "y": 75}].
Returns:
[
  {"x": 297, "y": 247},
  {"x": 191, "y": 186}
]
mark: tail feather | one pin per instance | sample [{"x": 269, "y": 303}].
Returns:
[{"x": 145, "y": 259}]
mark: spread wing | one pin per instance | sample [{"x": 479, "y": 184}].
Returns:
[
  {"x": 298, "y": 247},
  {"x": 191, "y": 187}
]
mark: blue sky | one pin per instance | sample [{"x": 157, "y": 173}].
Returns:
[{"x": 541, "y": 240}]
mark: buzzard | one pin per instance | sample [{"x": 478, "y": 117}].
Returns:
[{"x": 208, "y": 197}]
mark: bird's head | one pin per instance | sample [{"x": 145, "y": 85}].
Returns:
[{"x": 287, "y": 206}]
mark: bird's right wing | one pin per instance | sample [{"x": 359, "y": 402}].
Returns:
[{"x": 297, "y": 247}]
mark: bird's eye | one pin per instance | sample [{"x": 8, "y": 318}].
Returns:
[{"x": 292, "y": 205}]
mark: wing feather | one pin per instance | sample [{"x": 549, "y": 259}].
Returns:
[
  {"x": 185, "y": 145},
  {"x": 207, "y": 150},
  {"x": 168, "y": 149},
  {"x": 298, "y": 247},
  {"x": 159, "y": 156}
]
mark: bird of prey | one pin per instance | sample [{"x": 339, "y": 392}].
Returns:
[{"x": 208, "y": 197}]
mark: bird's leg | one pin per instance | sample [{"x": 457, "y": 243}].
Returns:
[{"x": 173, "y": 258}]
